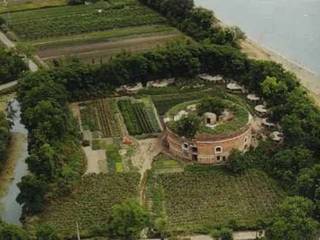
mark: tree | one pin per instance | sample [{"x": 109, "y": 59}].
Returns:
[
  {"x": 12, "y": 232},
  {"x": 286, "y": 164},
  {"x": 46, "y": 232},
  {"x": 222, "y": 233},
  {"x": 187, "y": 126},
  {"x": 211, "y": 104},
  {"x": 25, "y": 49},
  {"x": 238, "y": 162},
  {"x": 4, "y": 136},
  {"x": 308, "y": 185},
  {"x": 161, "y": 226},
  {"x": 11, "y": 66},
  {"x": 32, "y": 193},
  {"x": 274, "y": 90},
  {"x": 293, "y": 221},
  {"x": 127, "y": 220},
  {"x": 42, "y": 162},
  {"x": 176, "y": 9}
]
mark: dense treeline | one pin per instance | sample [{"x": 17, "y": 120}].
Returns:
[
  {"x": 55, "y": 160},
  {"x": 11, "y": 66},
  {"x": 199, "y": 23},
  {"x": 292, "y": 163},
  {"x": 4, "y": 137}
]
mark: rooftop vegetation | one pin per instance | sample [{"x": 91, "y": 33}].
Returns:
[{"x": 193, "y": 123}]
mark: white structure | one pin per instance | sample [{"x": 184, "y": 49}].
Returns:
[
  {"x": 160, "y": 83},
  {"x": 261, "y": 109},
  {"x": 234, "y": 87},
  {"x": 135, "y": 88},
  {"x": 253, "y": 97},
  {"x": 210, "y": 119},
  {"x": 266, "y": 123},
  {"x": 211, "y": 78},
  {"x": 276, "y": 136},
  {"x": 192, "y": 107},
  {"x": 179, "y": 115}
]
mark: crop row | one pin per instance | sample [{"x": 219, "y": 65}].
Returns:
[
  {"x": 214, "y": 198},
  {"x": 138, "y": 118},
  {"x": 91, "y": 204},
  {"x": 66, "y": 20},
  {"x": 107, "y": 118}
]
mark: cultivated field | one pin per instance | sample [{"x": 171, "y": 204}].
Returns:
[
  {"x": 20, "y": 5},
  {"x": 212, "y": 197},
  {"x": 101, "y": 115},
  {"x": 139, "y": 116},
  {"x": 94, "y": 32},
  {"x": 90, "y": 204}
]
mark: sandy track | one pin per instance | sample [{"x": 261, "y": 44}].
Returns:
[
  {"x": 94, "y": 159},
  {"x": 308, "y": 79},
  {"x": 133, "y": 44}
]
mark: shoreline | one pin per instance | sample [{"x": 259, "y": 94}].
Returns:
[
  {"x": 7, "y": 173},
  {"x": 308, "y": 79}
]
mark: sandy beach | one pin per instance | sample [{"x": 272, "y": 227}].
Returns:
[{"x": 309, "y": 79}]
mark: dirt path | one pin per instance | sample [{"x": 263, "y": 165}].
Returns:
[
  {"x": 147, "y": 149},
  {"x": 94, "y": 159}
]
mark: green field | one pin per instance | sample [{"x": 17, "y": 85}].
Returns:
[
  {"x": 139, "y": 116},
  {"x": 69, "y": 20},
  {"x": 91, "y": 202},
  {"x": 101, "y": 115},
  {"x": 212, "y": 197},
  {"x": 93, "y": 32},
  {"x": 21, "y": 5}
]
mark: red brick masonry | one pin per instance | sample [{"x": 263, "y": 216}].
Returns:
[{"x": 209, "y": 149}]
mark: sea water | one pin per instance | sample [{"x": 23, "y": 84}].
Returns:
[{"x": 289, "y": 27}]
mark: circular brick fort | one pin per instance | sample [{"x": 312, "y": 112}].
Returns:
[{"x": 217, "y": 138}]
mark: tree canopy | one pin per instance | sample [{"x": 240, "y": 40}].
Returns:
[
  {"x": 293, "y": 221},
  {"x": 127, "y": 220}
]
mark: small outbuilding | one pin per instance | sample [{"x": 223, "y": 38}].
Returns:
[
  {"x": 161, "y": 83},
  {"x": 261, "y": 109},
  {"x": 253, "y": 98},
  {"x": 276, "y": 136},
  {"x": 210, "y": 118},
  {"x": 265, "y": 122},
  {"x": 234, "y": 87},
  {"x": 210, "y": 78},
  {"x": 134, "y": 89}
]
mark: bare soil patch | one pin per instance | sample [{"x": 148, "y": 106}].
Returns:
[
  {"x": 94, "y": 160},
  {"x": 106, "y": 48}
]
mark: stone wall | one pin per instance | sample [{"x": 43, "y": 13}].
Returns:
[{"x": 215, "y": 150}]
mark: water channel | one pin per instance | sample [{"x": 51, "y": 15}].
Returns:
[{"x": 10, "y": 210}]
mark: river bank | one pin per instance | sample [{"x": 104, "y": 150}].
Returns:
[
  {"x": 14, "y": 169},
  {"x": 14, "y": 153},
  {"x": 308, "y": 79}
]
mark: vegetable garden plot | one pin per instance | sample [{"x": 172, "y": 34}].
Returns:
[
  {"x": 101, "y": 115},
  {"x": 69, "y": 20},
  {"x": 193, "y": 200},
  {"x": 91, "y": 202},
  {"x": 138, "y": 117}
]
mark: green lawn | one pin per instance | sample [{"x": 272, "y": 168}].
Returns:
[
  {"x": 91, "y": 202},
  {"x": 197, "y": 200}
]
